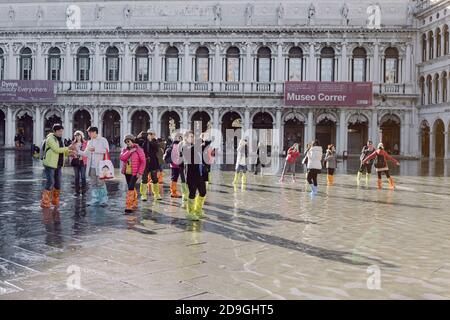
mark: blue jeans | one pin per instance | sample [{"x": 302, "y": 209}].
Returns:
[
  {"x": 53, "y": 177},
  {"x": 80, "y": 174}
]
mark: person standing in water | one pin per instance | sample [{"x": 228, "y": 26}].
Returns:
[
  {"x": 331, "y": 163},
  {"x": 367, "y": 150},
  {"x": 381, "y": 165},
  {"x": 314, "y": 158},
  {"x": 289, "y": 164}
]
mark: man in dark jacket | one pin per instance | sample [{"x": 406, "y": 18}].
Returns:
[
  {"x": 149, "y": 143},
  {"x": 365, "y": 152}
]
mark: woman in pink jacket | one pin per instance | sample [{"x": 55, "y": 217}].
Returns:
[{"x": 133, "y": 165}]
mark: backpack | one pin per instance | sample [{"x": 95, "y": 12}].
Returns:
[
  {"x": 43, "y": 151},
  {"x": 380, "y": 162},
  {"x": 168, "y": 155}
]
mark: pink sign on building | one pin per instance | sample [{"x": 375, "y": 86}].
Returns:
[{"x": 335, "y": 94}]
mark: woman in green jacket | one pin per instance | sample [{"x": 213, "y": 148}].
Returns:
[{"x": 53, "y": 160}]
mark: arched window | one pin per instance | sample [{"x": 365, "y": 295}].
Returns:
[
  {"x": 83, "y": 64},
  {"x": 444, "y": 87},
  {"x": 2, "y": 65},
  {"x": 172, "y": 64},
  {"x": 429, "y": 90},
  {"x": 438, "y": 43},
  {"x": 327, "y": 64},
  {"x": 446, "y": 40},
  {"x": 233, "y": 63},
  {"x": 436, "y": 88},
  {"x": 202, "y": 65},
  {"x": 112, "y": 64},
  {"x": 26, "y": 64},
  {"x": 54, "y": 64},
  {"x": 422, "y": 90},
  {"x": 391, "y": 65},
  {"x": 359, "y": 64},
  {"x": 142, "y": 64},
  {"x": 295, "y": 64},
  {"x": 424, "y": 47},
  {"x": 264, "y": 65},
  {"x": 430, "y": 45}
]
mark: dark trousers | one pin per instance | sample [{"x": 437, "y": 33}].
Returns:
[
  {"x": 53, "y": 177},
  {"x": 386, "y": 172},
  {"x": 330, "y": 171},
  {"x": 131, "y": 181},
  {"x": 195, "y": 185},
  {"x": 365, "y": 168},
  {"x": 312, "y": 176},
  {"x": 153, "y": 174},
  {"x": 182, "y": 176},
  {"x": 80, "y": 174},
  {"x": 175, "y": 174}
]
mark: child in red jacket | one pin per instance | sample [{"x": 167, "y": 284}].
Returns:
[
  {"x": 381, "y": 164},
  {"x": 289, "y": 164},
  {"x": 133, "y": 166}
]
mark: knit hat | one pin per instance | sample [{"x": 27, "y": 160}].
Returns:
[
  {"x": 79, "y": 133},
  {"x": 380, "y": 146},
  {"x": 151, "y": 131},
  {"x": 128, "y": 137}
]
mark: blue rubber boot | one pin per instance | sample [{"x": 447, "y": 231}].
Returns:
[
  {"x": 103, "y": 196},
  {"x": 94, "y": 197}
]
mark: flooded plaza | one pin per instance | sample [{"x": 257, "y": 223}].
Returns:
[{"x": 266, "y": 241}]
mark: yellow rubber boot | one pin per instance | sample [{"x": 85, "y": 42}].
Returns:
[
  {"x": 358, "y": 177},
  {"x": 155, "y": 190},
  {"x": 199, "y": 202},
  {"x": 184, "y": 194},
  {"x": 190, "y": 210},
  {"x": 367, "y": 179},
  {"x": 144, "y": 191},
  {"x": 236, "y": 178},
  {"x": 244, "y": 179}
]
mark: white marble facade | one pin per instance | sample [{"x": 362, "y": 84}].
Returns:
[{"x": 117, "y": 61}]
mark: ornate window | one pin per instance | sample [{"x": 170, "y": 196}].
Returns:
[
  {"x": 446, "y": 40},
  {"x": 264, "y": 65},
  {"x": 444, "y": 87},
  {"x": 26, "y": 64},
  {"x": 2, "y": 65},
  {"x": 172, "y": 64},
  {"x": 202, "y": 65},
  {"x": 295, "y": 64},
  {"x": 424, "y": 47},
  {"x": 391, "y": 65},
  {"x": 233, "y": 63},
  {"x": 436, "y": 88},
  {"x": 83, "y": 64},
  {"x": 327, "y": 64},
  {"x": 54, "y": 64},
  {"x": 142, "y": 64},
  {"x": 112, "y": 64},
  {"x": 430, "y": 45},
  {"x": 359, "y": 64},
  {"x": 429, "y": 90}
]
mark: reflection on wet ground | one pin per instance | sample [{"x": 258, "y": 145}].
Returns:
[{"x": 268, "y": 241}]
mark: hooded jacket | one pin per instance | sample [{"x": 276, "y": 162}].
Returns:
[
  {"x": 137, "y": 160},
  {"x": 314, "y": 156},
  {"x": 52, "y": 151}
]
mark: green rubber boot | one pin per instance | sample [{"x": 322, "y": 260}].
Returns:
[
  {"x": 190, "y": 210},
  {"x": 184, "y": 194},
  {"x": 198, "y": 210},
  {"x": 236, "y": 178}
]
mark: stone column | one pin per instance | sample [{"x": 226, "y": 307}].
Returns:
[
  {"x": 248, "y": 65},
  {"x": 280, "y": 64},
  {"x": 407, "y": 67},
  {"x": 156, "y": 61},
  {"x": 187, "y": 63},
  {"x": 67, "y": 131},
  {"x": 155, "y": 120},
  {"x": 38, "y": 135},
  {"x": 376, "y": 63},
  {"x": 374, "y": 125},
  {"x": 215, "y": 124},
  {"x": 97, "y": 64},
  {"x": 342, "y": 130},
  {"x": 432, "y": 142},
  {"x": 446, "y": 148},
  {"x": 185, "y": 123},
  {"x": 10, "y": 129},
  {"x": 39, "y": 63},
  {"x": 344, "y": 68},
  {"x": 124, "y": 123},
  {"x": 276, "y": 134},
  {"x": 312, "y": 63},
  {"x": 127, "y": 71},
  {"x": 217, "y": 77},
  {"x": 311, "y": 133},
  {"x": 11, "y": 65},
  {"x": 95, "y": 121},
  {"x": 68, "y": 64}
]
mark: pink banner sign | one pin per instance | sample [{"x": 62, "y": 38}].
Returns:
[
  {"x": 27, "y": 91},
  {"x": 335, "y": 94}
]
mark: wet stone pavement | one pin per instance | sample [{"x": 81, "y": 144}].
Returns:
[{"x": 269, "y": 241}]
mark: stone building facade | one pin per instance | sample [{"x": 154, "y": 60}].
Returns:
[{"x": 126, "y": 66}]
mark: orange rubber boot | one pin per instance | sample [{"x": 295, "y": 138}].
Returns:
[
  {"x": 46, "y": 199},
  {"x": 55, "y": 197},
  {"x": 380, "y": 184}
]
